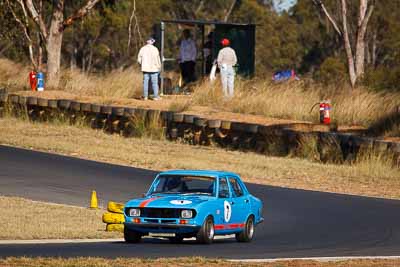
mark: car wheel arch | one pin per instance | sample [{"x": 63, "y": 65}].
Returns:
[{"x": 251, "y": 215}]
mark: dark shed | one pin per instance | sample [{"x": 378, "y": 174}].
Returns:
[{"x": 241, "y": 35}]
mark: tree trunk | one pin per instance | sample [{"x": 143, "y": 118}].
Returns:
[
  {"x": 74, "y": 58},
  {"x": 40, "y": 52},
  {"x": 360, "y": 43},
  {"x": 53, "y": 44},
  {"x": 363, "y": 19},
  {"x": 374, "y": 49},
  {"x": 355, "y": 55},
  {"x": 347, "y": 46},
  {"x": 367, "y": 54}
]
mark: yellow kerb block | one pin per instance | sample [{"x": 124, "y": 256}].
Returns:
[
  {"x": 115, "y": 227},
  {"x": 115, "y": 207},
  {"x": 109, "y": 217}
]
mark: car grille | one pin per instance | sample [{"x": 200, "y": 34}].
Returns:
[{"x": 160, "y": 213}]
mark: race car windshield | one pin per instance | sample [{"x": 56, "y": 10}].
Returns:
[{"x": 179, "y": 184}]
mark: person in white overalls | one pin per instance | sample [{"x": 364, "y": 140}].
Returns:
[{"x": 226, "y": 60}]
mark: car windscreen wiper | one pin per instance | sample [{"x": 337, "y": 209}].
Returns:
[
  {"x": 165, "y": 192},
  {"x": 197, "y": 193}
]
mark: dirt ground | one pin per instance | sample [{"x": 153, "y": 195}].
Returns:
[{"x": 196, "y": 261}]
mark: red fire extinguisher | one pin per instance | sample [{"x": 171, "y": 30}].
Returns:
[
  {"x": 324, "y": 112},
  {"x": 32, "y": 80}
]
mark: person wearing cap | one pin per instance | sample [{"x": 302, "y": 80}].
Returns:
[
  {"x": 150, "y": 62},
  {"x": 187, "y": 57},
  {"x": 226, "y": 60}
]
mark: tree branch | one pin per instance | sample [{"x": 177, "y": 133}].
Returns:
[
  {"x": 199, "y": 7},
  {"x": 80, "y": 13},
  {"x": 229, "y": 11},
  {"x": 328, "y": 15},
  {"x": 38, "y": 19},
  {"x": 23, "y": 25},
  {"x": 137, "y": 28},
  {"x": 365, "y": 21},
  {"x": 25, "y": 28}
]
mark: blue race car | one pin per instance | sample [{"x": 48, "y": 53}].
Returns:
[{"x": 183, "y": 204}]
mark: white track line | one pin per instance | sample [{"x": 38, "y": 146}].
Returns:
[
  {"x": 58, "y": 241},
  {"x": 320, "y": 259}
]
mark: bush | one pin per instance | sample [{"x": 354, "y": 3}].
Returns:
[
  {"x": 383, "y": 78},
  {"x": 332, "y": 71}
]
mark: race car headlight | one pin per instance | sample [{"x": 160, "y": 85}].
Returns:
[
  {"x": 134, "y": 212},
  {"x": 186, "y": 214}
]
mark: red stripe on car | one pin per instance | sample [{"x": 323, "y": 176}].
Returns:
[
  {"x": 219, "y": 227},
  {"x": 147, "y": 201},
  {"x": 228, "y": 226}
]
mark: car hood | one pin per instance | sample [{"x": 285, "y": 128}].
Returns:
[{"x": 163, "y": 201}]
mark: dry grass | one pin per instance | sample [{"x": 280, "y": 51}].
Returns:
[
  {"x": 356, "y": 179},
  {"x": 120, "y": 84},
  {"x": 193, "y": 261},
  {"x": 291, "y": 100},
  {"x": 40, "y": 220},
  {"x": 294, "y": 100}
]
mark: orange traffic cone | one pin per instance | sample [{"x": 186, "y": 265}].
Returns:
[{"x": 93, "y": 201}]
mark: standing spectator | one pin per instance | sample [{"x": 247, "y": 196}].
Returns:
[
  {"x": 226, "y": 60},
  {"x": 187, "y": 57},
  {"x": 149, "y": 59}
]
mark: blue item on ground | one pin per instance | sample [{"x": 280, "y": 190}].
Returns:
[{"x": 40, "y": 81}]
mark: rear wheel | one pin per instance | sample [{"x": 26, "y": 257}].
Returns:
[
  {"x": 248, "y": 232},
  {"x": 206, "y": 232},
  {"x": 131, "y": 236}
]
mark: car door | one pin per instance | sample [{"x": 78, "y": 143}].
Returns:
[
  {"x": 224, "y": 212},
  {"x": 239, "y": 202}
]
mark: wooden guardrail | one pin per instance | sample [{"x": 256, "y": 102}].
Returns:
[{"x": 298, "y": 139}]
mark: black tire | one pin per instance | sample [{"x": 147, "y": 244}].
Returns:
[
  {"x": 53, "y": 103},
  {"x": 176, "y": 240},
  {"x": 178, "y": 117},
  {"x": 131, "y": 236},
  {"x": 248, "y": 232},
  {"x": 206, "y": 232},
  {"x": 214, "y": 124},
  {"x": 200, "y": 122}
]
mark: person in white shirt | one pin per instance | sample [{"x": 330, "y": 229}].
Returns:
[
  {"x": 187, "y": 57},
  {"x": 150, "y": 62},
  {"x": 226, "y": 60}
]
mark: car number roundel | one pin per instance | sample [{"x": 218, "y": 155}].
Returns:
[
  {"x": 227, "y": 211},
  {"x": 180, "y": 202}
]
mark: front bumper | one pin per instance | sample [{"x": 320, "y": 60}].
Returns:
[{"x": 162, "y": 227}]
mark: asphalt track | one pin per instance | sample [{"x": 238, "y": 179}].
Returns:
[{"x": 298, "y": 223}]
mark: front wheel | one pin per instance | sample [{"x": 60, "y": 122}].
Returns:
[
  {"x": 248, "y": 232},
  {"x": 131, "y": 236},
  {"x": 206, "y": 232}
]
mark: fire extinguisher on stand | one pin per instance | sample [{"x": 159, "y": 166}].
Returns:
[
  {"x": 325, "y": 112},
  {"x": 32, "y": 80},
  {"x": 325, "y": 108}
]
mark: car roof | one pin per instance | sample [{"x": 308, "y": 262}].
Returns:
[{"x": 211, "y": 173}]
